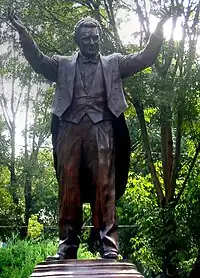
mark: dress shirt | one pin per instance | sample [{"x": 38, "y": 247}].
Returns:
[{"x": 87, "y": 67}]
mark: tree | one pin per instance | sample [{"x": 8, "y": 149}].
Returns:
[{"x": 171, "y": 89}]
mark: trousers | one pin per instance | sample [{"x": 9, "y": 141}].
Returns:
[{"x": 93, "y": 145}]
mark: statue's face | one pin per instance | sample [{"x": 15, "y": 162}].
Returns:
[{"x": 89, "y": 41}]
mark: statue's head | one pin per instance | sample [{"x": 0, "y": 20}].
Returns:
[{"x": 87, "y": 36}]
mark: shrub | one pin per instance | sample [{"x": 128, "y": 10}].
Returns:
[
  {"x": 19, "y": 258},
  {"x": 35, "y": 229}
]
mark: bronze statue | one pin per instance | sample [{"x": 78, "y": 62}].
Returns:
[{"x": 90, "y": 138}]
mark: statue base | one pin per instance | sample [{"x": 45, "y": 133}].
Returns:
[{"x": 86, "y": 268}]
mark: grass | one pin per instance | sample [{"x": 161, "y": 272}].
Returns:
[{"x": 19, "y": 258}]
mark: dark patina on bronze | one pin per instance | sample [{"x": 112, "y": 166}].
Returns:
[
  {"x": 85, "y": 269},
  {"x": 91, "y": 144}
]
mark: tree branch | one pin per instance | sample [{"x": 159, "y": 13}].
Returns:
[
  {"x": 142, "y": 19},
  {"x": 176, "y": 164},
  {"x": 188, "y": 174},
  {"x": 140, "y": 114},
  {"x": 166, "y": 148}
]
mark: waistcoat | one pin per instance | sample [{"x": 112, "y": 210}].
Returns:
[
  {"x": 66, "y": 78},
  {"x": 91, "y": 101}
]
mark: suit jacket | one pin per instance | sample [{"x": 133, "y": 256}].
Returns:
[
  {"x": 61, "y": 69},
  {"x": 65, "y": 84}
]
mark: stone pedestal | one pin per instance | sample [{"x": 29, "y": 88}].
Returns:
[{"x": 86, "y": 269}]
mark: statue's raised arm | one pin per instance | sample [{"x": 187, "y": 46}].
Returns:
[
  {"x": 136, "y": 62},
  {"x": 91, "y": 142},
  {"x": 41, "y": 63},
  {"x": 16, "y": 22}
]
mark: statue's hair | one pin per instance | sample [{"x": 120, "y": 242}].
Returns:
[{"x": 86, "y": 22}]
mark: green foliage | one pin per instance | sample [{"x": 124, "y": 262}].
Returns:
[
  {"x": 83, "y": 253},
  {"x": 4, "y": 143},
  {"x": 138, "y": 207},
  {"x": 35, "y": 229},
  {"x": 156, "y": 231},
  {"x": 8, "y": 212},
  {"x": 5, "y": 197},
  {"x": 45, "y": 190},
  {"x": 19, "y": 258}
]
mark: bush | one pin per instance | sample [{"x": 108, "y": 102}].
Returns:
[
  {"x": 19, "y": 258},
  {"x": 35, "y": 229}
]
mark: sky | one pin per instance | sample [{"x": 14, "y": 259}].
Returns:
[{"x": 130, "y": 25}]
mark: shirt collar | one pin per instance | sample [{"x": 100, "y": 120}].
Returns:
[{"x": 87, "y": 60}]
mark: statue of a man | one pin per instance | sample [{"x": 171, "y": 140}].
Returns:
[{"x": 90, "y": 138}]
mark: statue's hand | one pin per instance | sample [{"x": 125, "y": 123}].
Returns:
[
  {"x": 16, "y": 22},
  {"x": 165, "y": 14}
]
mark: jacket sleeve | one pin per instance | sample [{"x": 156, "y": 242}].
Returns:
[
  {"x": 41, "y": 63},
  {"x": 133, "y": 63}
]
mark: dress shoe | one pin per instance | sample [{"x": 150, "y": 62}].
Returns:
[
  {"x": 56, "y": 257},
  {"x": 111, "y": 255},
  {"x": 65, "y": 252}
]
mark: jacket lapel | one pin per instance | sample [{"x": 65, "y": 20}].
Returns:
[
  {"x": 71, "y": 71},
  {"x": 107, "y": 72}
]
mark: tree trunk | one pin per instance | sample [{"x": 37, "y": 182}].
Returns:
[{"x": 27, "y": 167}]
